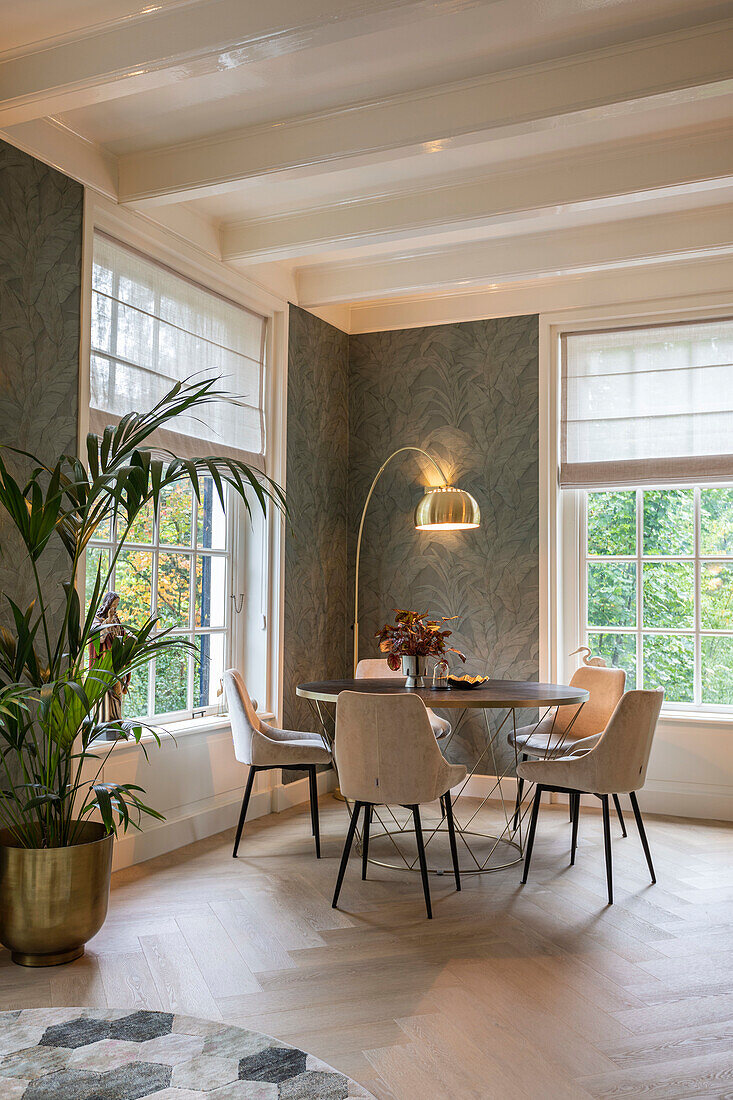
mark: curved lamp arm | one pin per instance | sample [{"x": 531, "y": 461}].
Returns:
[{"x": 443, "y": 481}]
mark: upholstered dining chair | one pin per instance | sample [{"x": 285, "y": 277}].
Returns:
[
  {"x": 386, "y": 755},
  {"x": 264, "y": 747},
  {"x": 569, "y": 730},
  {"x": 376, "y": 668},
  {"x": 617, "y": 764}
]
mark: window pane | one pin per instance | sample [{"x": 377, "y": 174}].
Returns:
[
  {"x": 612, "y": 594},
  {"x": 716, "y": 521},
  {"x": 93, "y": 558},
  {"x": 171, "y": 680},
  {"x": 669, "y": 661},
  {"x": 174, "y": 589},
  {"x": 135, "y": 702},
  {"x": 211, "y": 518},
  {"x": 176, "y": 516},
  {"x": 668, "y": 521},
  {"x": 209, "y": 670},
  {"x": 717, "y": 671},
  {"x": 716, "y": 596},
  {"x": 134, "y": 583},
  {"x": 103, "y": 531},
  {"x": 612, "y": 523},
  {"x": 142, "y": 528},
  {"x": 618, "y": 650},
  {"x": 211, "y": 575},
  {"x": 669, "y": 594}
]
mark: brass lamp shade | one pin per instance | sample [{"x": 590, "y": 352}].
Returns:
[{"x": 447, "y": 509}]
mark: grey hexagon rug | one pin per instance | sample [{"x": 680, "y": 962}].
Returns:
[{"x": 90, "y": 1054}]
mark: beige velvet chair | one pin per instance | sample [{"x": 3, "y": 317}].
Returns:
[
  {"x": 570, "y": 729},
  {"x": 264, "y": 747},
  {"x": 617, "y": 764},
  {"x": 376, "y": 668},
  {"x": 386, "y": 755}
]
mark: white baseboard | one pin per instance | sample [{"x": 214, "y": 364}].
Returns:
[
  {"x": 672, "y": 799},
  {"x": 208, "y": 817}
]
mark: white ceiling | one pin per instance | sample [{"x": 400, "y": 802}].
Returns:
[{"x": 399, "y": 146}]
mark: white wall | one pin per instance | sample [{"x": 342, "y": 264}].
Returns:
[{"x": 196, "y": 782}]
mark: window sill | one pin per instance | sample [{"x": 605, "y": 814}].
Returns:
[
  {"x": 174, "y": 731},
  {"x": 696, "y": 718}
]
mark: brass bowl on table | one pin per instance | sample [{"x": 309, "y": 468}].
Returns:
[{"x": 467, "y": 681}]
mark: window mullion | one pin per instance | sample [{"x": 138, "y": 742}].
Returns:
[
  {"x": 697, "y": 691},
  {"x": 639, "y": 588}
]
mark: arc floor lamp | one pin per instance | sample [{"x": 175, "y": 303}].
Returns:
[{"x": 442, "y": 508}]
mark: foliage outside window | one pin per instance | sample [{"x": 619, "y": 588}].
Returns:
[
  {"x": 175, "y": 569},
  {"x": 658, "y": 589}
]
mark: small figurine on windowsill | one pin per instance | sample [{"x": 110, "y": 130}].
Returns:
[{"x": 105, "y": 628}]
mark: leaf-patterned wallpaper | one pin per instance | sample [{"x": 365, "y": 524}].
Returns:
[
  {"x": 317, "y": 491},
  {"x": 468, "y": 394},
  {"x": 40, "y": 294}
]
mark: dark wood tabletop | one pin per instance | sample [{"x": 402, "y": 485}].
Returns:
[{"x": 493, "y": 694}]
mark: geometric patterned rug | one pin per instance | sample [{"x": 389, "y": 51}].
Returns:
[{"x": 92, "y": 1054}]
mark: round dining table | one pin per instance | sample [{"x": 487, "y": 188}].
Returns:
[{"x": 484, "y": 847}]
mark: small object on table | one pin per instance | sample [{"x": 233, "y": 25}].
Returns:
[
  {"x": 440, "y": 676},
  {"x": 467, "y": 681}
]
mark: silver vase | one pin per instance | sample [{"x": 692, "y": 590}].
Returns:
[{"x": 413, "y": 669}]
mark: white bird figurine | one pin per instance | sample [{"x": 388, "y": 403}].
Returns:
[{"x": 585, "y": 651}]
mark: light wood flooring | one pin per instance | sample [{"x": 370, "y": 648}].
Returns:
[{"x": 511, "y": 991}]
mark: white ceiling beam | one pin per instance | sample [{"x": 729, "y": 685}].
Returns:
[
  {"x": 699, "y": 60},
  {"x": 160, "y": 45},
  {"x": 61, "y": 148},
  {"x": 605, "y": 172},
  {"x": 678, "y": 236}
]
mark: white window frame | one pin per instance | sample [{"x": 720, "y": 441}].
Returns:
[
  {"x": 561, "y": 548},
  {"x": 257, "y": 549},
  {"x": 697, "y": 632},
  {"x": 192, "y": 551}
]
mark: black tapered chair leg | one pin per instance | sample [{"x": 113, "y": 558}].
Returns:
[
  {"x": 313, "y": 782},
  {"x": 365, "y": 840},
  {"x": 347, "y": 849},
  {"x": 520, "y": 789},
  {"x": 575, "y": 813},
  {"x": 607, "y": 846},
  {"x": 642, "y": 834},
  {"x": 619, "y": 815},
  {"x": 452, "y": 838},
  {"x": 530, "y": 835},
  {"x": 243, "y": 811},
  {"x": 442, "y": 807},
  {"x": 423, "y": 862}
]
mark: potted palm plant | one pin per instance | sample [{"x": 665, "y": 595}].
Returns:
[{"x": 58, "y": 820}]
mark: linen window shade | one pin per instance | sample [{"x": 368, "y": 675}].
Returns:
[
  {"x": 152, "y": 328},
  {"x": 648, "y": 405}
]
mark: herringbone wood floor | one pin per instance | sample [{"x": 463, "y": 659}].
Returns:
[{"x": 535, "y": 991}]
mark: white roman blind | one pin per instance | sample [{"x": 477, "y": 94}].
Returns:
[
  {"x": 648, "y": 405},
  {"x": 151, "y": 328}
]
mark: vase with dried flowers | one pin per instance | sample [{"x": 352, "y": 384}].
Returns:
[{"x": 410, "y": 640}]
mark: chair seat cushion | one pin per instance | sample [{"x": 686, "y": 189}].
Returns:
[
  {"x": 543, "y": 742},
  {"x": 441, "y": 726},
  {"x": 277, "y": 748}
]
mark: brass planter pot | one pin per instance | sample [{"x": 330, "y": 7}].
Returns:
[{"x": 53, "y": 900}]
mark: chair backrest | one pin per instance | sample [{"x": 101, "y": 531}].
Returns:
[
  {"x": 620, "y": 759},
  {"x": 385, "y": 749},
  {"x": 242, "y": 715},
  {"x": 605, "y": 687},
  {"x": 376, "y": 668}
]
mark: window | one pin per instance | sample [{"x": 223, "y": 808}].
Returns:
[
  {"x": 151, "y": 328},
  {"x": 646, "y": 474},
  {"x": 175, "y": 568},
  {"x": 657, "y": 593}
]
